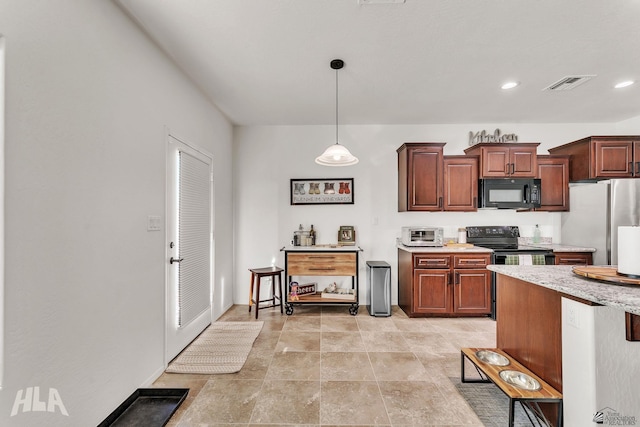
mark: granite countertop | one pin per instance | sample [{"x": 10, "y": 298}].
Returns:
[
  {"x": 319, "y": 248},
  {"x": 441, "y": 249},
  {"x": 562, "y": 279},
  {"x": 559, "y": 247}
]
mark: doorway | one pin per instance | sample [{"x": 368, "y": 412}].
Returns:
[{"x": 189, "y": 259}]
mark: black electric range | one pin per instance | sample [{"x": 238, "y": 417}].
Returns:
[{"x": 503, "y": 239}]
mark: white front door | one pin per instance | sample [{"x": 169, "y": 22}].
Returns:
[{"x": 189, "y": 244}]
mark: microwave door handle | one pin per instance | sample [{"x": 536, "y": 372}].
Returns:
[{"x": 527, "y": 194}]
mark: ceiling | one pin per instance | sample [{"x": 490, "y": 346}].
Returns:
[{"x": 266, "y": 62}]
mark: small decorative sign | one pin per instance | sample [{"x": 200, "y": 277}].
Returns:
[
  {"x": 307, "y": 288},
  {"x": 496, "y": 136}
]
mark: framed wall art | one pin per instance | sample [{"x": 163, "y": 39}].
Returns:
[
  {"x": 318, "y": 191},
  {"x": 347, "y": 235}
]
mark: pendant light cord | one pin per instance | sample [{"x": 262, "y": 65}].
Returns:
[{"x": 336, "y": 106}]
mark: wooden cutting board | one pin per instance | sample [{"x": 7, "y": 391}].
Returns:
[
  {"x": 458, "y": 245},
  {"x": 608, "y": 274}
]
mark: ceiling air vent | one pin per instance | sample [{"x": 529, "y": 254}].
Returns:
[{"x": 569, "y": 82}]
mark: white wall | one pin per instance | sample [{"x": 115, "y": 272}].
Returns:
[
  {"x": 266, "y": 158},
  {"x": 600, "y": 367},
  {"x": 87, "y": 102}
]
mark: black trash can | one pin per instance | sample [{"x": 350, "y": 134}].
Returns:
[{"x": 379, "y": 288}]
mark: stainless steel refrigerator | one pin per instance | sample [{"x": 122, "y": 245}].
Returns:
[{"x": 596, "y": 211}]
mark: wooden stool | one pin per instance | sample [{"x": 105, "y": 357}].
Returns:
[{"x": 259, "y": 273}]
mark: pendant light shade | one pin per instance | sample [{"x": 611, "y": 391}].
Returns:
[{"x": 336, "y": 154}]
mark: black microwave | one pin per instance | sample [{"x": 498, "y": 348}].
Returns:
[{"x": 509, "y": 193}]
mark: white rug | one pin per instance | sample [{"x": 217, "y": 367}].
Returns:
[{"x": 222, "y": 348}]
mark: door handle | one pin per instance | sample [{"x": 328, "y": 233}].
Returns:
[
  {"x": 513, "y": 168},
  {"x": 631, "y": 168},
  {"x": 440, "y": 201},
  {"x": 637, "y": 168},
  {"x": 172, "y": 260},
  {"x": 456, "y": 278},
  {"x": 506, "y": 169}
]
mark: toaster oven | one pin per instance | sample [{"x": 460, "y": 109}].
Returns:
[{"x": 422, "y": 236}]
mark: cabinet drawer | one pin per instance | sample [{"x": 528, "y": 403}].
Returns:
[
  {"x": 321, "y": 264},
  {"x": 574, "y": 258},
  {"x": 473, "y": 261},
  {"x": 431, "y": 261}
]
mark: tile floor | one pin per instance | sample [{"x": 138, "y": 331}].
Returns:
[{"x": 324, "y": 367}]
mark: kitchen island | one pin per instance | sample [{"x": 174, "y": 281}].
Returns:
[
  {"x": 562, "y": 279},
  {"x": 570, "y": 331}
]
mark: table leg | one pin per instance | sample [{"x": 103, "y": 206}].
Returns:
[{"x": 251, "y": 291}]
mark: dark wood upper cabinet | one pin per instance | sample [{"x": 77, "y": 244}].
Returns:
[
  {"x": 420, "y": 177},
  {"x": 460, "y": 183},
  {"x": 602, "y": 157},
  {"x": 553, "y": 172},
  {"x": 430, "y": 181},
  {"x": 506, "y": 160}
]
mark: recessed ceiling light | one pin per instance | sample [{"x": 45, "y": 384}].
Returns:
[
  {"x": 624, "y": 84},
  {"x": 510, "y": 85}
]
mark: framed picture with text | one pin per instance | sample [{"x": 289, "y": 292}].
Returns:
[{"x": 319, "y": 191}]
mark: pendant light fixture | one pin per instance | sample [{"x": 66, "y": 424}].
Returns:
[{"x": 336, "y": 154}]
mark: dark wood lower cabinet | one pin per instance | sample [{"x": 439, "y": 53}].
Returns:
[{"x": 444, "y": 284}]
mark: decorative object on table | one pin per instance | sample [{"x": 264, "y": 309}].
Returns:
[
  {"x": 307, "y": 288},
  {"x": 309, "y": 191},
  {"x": 333, "y": 291},
  {"x": 336, "y": 154},
  {"x": 296, "y": 290},
  {"x": 293, "y": 292},
  {"x": 312, "y": 236},
  {"x": 347, "y": 235}
]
